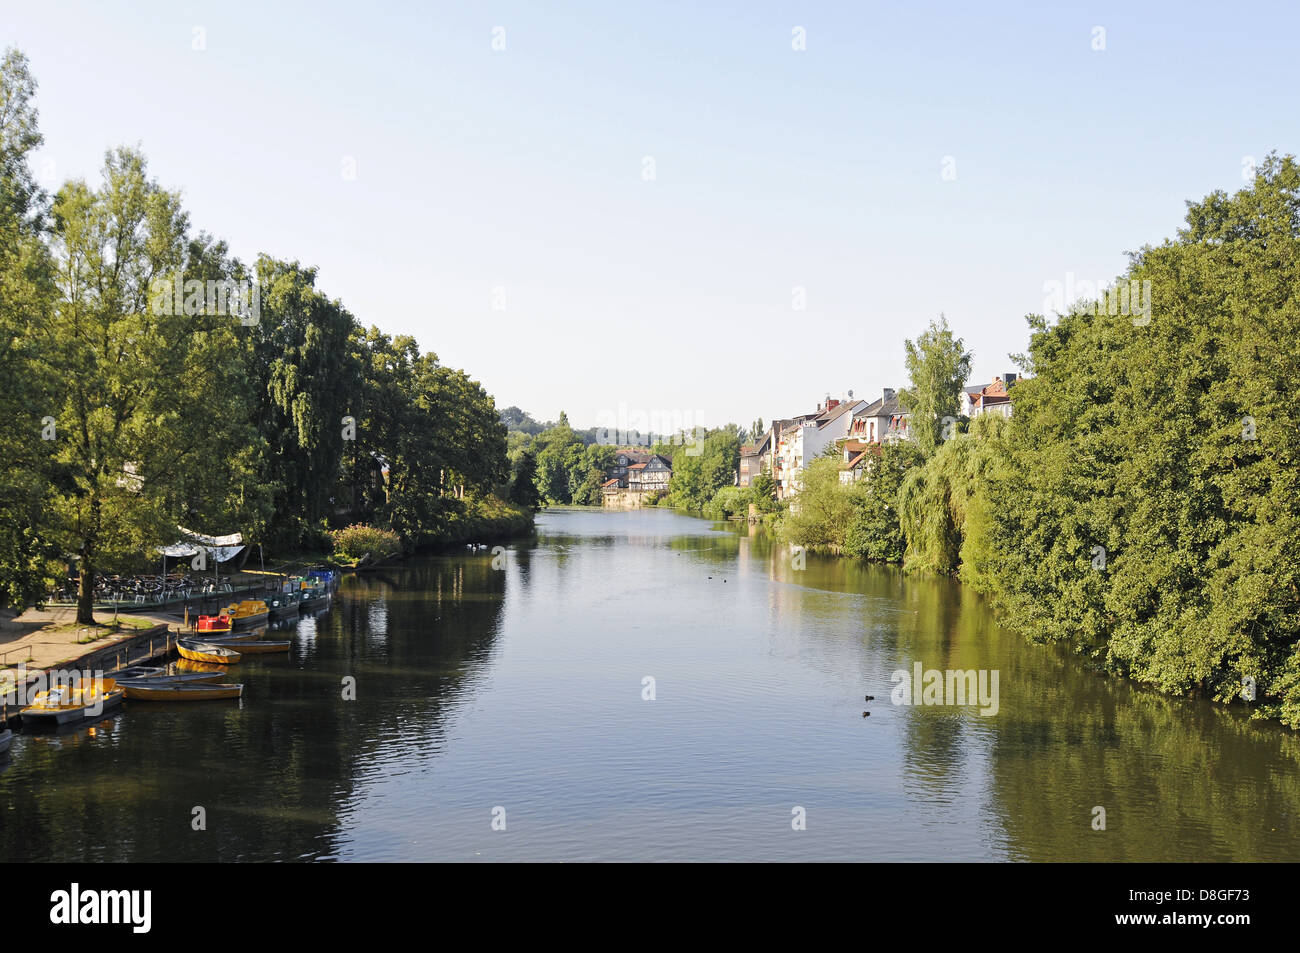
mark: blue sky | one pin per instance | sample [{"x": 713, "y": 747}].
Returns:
[{"x": 500, "y": 214}]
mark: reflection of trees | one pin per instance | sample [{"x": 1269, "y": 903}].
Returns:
[
  {"x": 1179, "y": 779},
  {"x": 274, "y": 770}
]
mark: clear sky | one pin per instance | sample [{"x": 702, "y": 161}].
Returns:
[{"x": 501, "y": 214}]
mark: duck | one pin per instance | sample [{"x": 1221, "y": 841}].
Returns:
[
  {"x": 871, "y": 698},
  {"x": 866, "y": 714}
]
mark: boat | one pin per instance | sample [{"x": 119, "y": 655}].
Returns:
[
  {"x": 259, "y": 646},
  {"x": 209, "y": 625},
  {"x": 138, "y": 671},
  {"x": 6, "y": 739},
  {"x": 284, "y": 605},
  {"x": 182, "y": 678},
  {"x": 232, "y": 637},
  {"x": 248, "y": 612},
  {"x": 327, "y": 577},
  {"x": 314, "y": 594},
  {"x": 149, "y": 692},
  {"x": 197, "y": 651},
  {"x": 61, "y": 706}
]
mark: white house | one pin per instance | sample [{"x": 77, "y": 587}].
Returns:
[{"x": 806, "y": 437}]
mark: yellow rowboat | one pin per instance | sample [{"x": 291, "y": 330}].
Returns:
[
  {"x": 197, "y": 651},
  {"x": 246, "y": 613},
  {"x": 60, "y": 706},
  {"x": 181, "y": 693}
]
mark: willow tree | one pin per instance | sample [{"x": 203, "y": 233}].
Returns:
[
  {"x": 306, "y": 370},
  {"x": 148, "y": 397}
]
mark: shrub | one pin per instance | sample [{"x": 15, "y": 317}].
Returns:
[{"x": 355, "y": 541}]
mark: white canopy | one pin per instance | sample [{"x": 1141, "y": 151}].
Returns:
[{"x": 220, "y": 548}]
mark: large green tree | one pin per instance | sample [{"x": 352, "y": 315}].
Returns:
[
  {"x": 1151, "y": 514},
  {"x": 150, "y": 422},
  {"x": 938, "y": 365}
]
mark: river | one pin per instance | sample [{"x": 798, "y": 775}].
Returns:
[{"x": 645, "y": 685}]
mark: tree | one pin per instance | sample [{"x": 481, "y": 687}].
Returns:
[
  {"x": 1150, "y": 515},
  {"x": 149, "y": 418},
  {"x": 523, "y": 486},
  {"x": 27, "y": 293},
  {"x": 937, "y": 366}
]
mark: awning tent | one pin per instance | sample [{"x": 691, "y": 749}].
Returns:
[{"x": 220, "y": 548}]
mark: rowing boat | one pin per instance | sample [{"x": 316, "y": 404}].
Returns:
[
  {"x": 69, "y": 703},
  {"x": 181, "y": 693},
  {"x": 229, "y": 638},
  {"x": 138, "y": 671},
  {"x": 182, "y": 678},
  {"x": 260, "y": 647},
  {"x": 197, "y": 651}
]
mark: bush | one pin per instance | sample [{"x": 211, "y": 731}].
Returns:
[{"x": 355, "y": 541}]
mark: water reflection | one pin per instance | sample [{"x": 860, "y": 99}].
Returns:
[{"x": 518, "y": 680}]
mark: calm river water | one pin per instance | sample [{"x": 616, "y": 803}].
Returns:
[{"x": 516, "y": 692}]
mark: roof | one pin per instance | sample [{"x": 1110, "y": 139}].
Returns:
[
  {"x": 839, "y": 410},
  {"x": 855, "y": 461},
  {"x": 883, "y": 408},
  {"x": 637, "y": 466},
  {"x": 613, "y": 482}
]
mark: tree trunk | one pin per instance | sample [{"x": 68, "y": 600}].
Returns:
[{"x": 86, "y": 592}]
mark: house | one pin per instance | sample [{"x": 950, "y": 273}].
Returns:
[
  {"x": 881, "y": 421},
  {"x": 651, "y": 476},
  {"x": 858, "y": 458},
  {"x": 993, "y": 398},
  {"x": 622, "y": 461},
  {"x": 632, "y": 476},
  {"x": 807, "y": 437}
]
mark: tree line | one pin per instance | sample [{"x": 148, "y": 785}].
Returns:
[
  {"x": 1140, "y": 505},
  {"x": 150, "y": 380}
]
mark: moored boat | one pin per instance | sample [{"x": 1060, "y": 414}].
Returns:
[
  {"x": 197, "y": 651},
  {"x": 261, "y": 647},
  {"x": 181, "y": 678},
  {"x": 149, "y": 692},
  {"x": 284, "y": 605},
  {"x": 69, "y": 703},
  {"x": 210, "y": 625},
  {"x": 233, "y": 637},
  {"x": 138, "y": 671},
  {"x": 6, "y": 739},
  {"x": 248, "y": 612}
]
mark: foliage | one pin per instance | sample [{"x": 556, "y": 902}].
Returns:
[
  {"x": 1169, "y": 444},
  {"x": 875, "y": 531},
  {"x": 353, "y": 542},
  {"x": 937, "y": 367}
]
